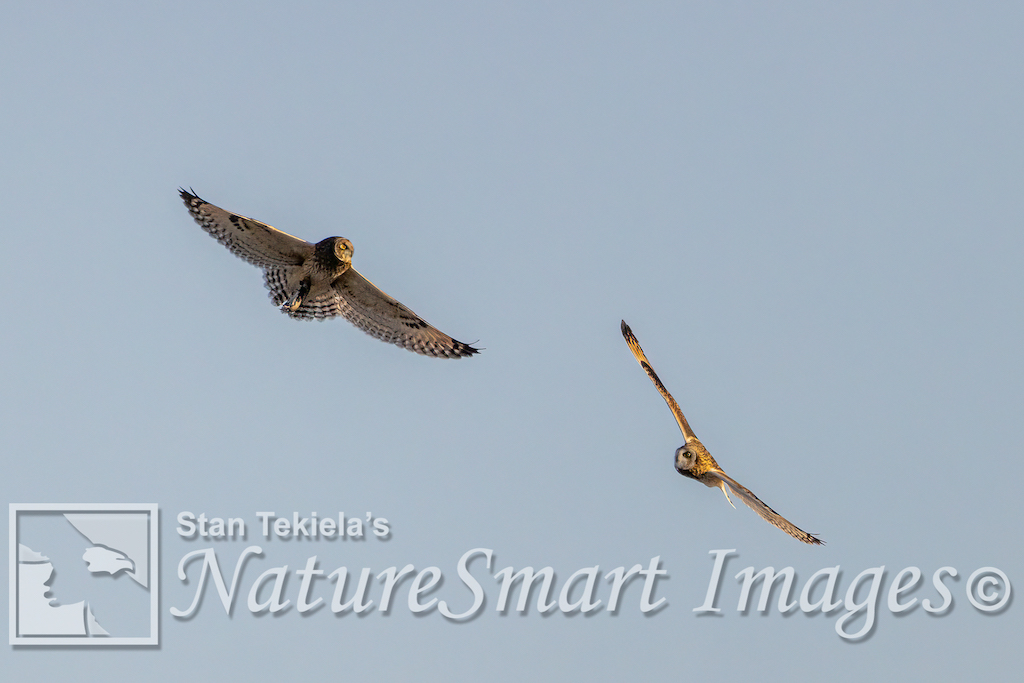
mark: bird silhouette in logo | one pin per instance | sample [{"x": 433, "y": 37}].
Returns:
[
  {"x": 317, "y": 281},
  {"x": 694, "y": 461}
]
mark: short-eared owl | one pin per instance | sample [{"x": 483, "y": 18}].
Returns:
[
  {"x": 694, "y": 461},
  {"x": 317, "y": 281}
]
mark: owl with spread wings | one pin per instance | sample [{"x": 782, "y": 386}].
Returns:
[
  {"x": 317, "y": 281},
  {"x": 694, "y": 461}
]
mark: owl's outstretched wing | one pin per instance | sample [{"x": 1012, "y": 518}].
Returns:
[
  {"x": 638, "y": 353},
  {"x": 255, "y": 242},
  {"x": 762, "y": 509},
  {"x": 371, "y": 310}
]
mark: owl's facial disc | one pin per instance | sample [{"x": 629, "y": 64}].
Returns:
[
  {"x": 343, "y": 250},
  {"x": 686, "y": 458}
]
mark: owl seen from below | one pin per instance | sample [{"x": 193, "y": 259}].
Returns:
[
  {"x": 694, "y": 461},
  {"x": 317, "y": 281}
]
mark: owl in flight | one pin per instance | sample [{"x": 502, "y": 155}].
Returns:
[
  {"x": 694, "y": 461},
  {"x": 318, "y": 281}
]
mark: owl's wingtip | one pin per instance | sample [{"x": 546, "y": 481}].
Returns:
[
  {"x": 464, "y": 350},
  {"x": 627, "y": 333},
  {"x": 452, "y": 349},
  {"x": 187, "y": 195}
]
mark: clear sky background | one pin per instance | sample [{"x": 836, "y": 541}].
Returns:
[{"x": 811, "y": 216}]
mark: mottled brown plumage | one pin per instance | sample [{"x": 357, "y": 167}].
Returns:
[
  {"x": 317, "y": 281},
  {"x": 694, "y": 461}
]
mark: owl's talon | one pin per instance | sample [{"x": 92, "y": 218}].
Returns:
[{"x": 293, "y": 302}]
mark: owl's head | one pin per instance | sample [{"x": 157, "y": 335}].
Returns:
[
  {"x": 333, "y": 254},
  {"x": 689, "y": 455},
  {"x": 343, "y": 250},
  {"x": 686, "y": 458}
]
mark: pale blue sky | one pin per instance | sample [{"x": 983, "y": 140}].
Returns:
[{"x": 810, "y": 215}]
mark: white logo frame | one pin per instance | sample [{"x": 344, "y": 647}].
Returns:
[{"x": 150, "y": 509}]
